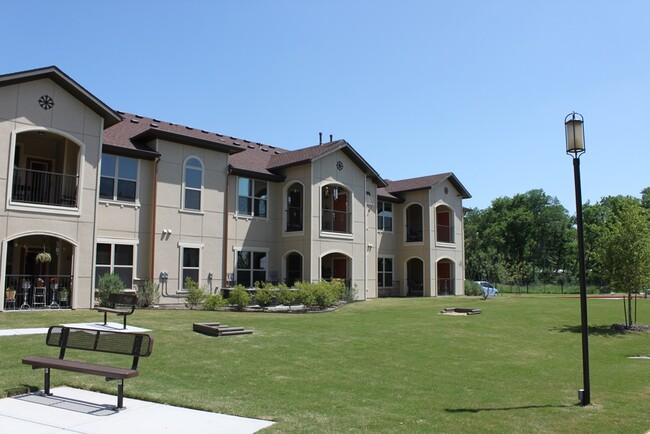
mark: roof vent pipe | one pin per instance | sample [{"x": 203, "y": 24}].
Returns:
[
  {"x": 330, "y": 138},
  {"x": 320, "y": 138}
]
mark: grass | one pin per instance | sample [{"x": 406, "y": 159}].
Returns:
[{"x": 387, "y": 365}]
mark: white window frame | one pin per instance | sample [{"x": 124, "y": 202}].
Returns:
[
  {"x": 253, "y": 198},
  {"x": 116, "y": 178},
  {"x": 252, "y": 250},
  {"x": 380, "y": 207},
  {"x": 121, "y": 242},
  {"x": 186, "y": 188},
  {"x": 181, "y": 268},
  {"x": 383, "y": 273}
]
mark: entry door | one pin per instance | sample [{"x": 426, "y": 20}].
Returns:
[{"x": 340, "y": 268}]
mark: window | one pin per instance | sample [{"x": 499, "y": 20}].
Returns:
[
  {"x": 117, "y": 259},
  {"x": 190, "y": 257},
  {"x": 414, "y": 223},
  {"x": 294, "y": 208},
  {"x": 335, "y": 213},
  {"x": 252, "y": 197},
  {"x": 251, "y": 267},
  {"x": 193, "y": 182},
  {"x": 444, "y": 225},
  {"x": 293, "y": 268},
  {"x": 385, "y": 216},
  {"x": 385, "y": 272},
  {"x": 118, "y": 178}
]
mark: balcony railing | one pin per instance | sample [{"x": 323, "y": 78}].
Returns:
[
  {"x": 336, "y": 221},
  {"x": 446, "y": 287},
  {"x": 46, "y": 188},
  {"x": 38, "y": 291}
]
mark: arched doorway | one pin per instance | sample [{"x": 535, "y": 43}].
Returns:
[
  {"x": 415, "y": 277},
  {"x": 39, "y": 268},
  {"x": 445, "y": 281},
  {"x": 336, "y": 266},
  {"x": 293, "y": 268}
]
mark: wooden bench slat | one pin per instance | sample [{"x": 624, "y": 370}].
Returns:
[{"x": 81, "y": 367}]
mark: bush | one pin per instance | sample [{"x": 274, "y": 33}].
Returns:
[
  {"x": 472, "y": 288},
  {"x": 264, "y": 296},
  {"x": 286, "y": 297},
  {"x": 239, "y": 297},
  {"x": 108, "y": 284},
  {"x": 328, "y": 294},
  {"x": 304, "y": 295},
  {"x": 195, "y": 294},
  {"x": 149, "y": 294},
  {"x": 214, "y": 302}
]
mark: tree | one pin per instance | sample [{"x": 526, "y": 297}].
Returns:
[{"x": 621, "y": 246}]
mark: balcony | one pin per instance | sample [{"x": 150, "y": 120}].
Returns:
[{"x": 44, "y": 188}]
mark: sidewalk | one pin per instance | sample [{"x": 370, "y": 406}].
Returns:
[{"x": 85, "y": 412}]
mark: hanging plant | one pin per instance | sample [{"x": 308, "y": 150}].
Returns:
[{"x": 43, "y": 257}]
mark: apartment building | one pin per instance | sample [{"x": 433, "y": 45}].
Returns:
[{"x": 89, "y": 190}]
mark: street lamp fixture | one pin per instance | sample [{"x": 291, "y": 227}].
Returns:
[{"x": 575, "y": 146}]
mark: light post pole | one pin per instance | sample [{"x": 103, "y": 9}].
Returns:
[{"x": 575, "y": 146}]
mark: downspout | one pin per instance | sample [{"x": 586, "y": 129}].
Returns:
[
  {"x": 153, "y": 218},
  {"x": 365, "y": 238},
  {"x": 224, "y": 279}
]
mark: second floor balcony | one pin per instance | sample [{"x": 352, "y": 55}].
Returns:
[{"x": 45, "y": 188}]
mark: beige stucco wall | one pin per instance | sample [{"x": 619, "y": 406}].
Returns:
[{"x": 20, "y": 112}]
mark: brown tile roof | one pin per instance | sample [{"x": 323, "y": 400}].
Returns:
[
  {"x": 394, "y": 188},
  {"x": 131, "y": 135}
]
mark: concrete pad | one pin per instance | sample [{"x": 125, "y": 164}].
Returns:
[
  {"x": 86, "y": 412},
  {"x": 110, "y": 326}
]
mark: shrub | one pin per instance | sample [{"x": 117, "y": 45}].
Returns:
[
  {"x": 195, "y": 294},
  {"x": 108, "y": 284},
  {"x": 327, "y": 294},
  {"x": 264, "y": 296},
  {"x": 239, "y": 297},
  {"x": 304, "y": 295},
  {"x": 149, "y": 294},
  {"x": 214, "y": 302},
  {"x": 286, "y": 297},
  {"x": 472, "y": 288}
]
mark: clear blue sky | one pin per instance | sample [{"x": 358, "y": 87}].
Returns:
[{"x": 477, "y": 88}]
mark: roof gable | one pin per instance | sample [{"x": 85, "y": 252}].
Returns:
[
  {"x": 69, "y": 85},
  {"x": 393, "y": 188}
]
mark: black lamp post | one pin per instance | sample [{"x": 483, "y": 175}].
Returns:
[{"x": 575, "y": 145}]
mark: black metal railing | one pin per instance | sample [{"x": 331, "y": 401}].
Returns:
[
  {"x": 413, "y": 233},
  {"x": 336, "y": 221},
  {"x": 47, "y": 188},
  {"x": 45, "y": 291},
  {"x": 446, "y": 287}
]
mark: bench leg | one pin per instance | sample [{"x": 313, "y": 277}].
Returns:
[
  {"x": 120, "y": 394},
  {"x": 124, "y": 322},
  {"x": 105, "y": 318},
  {"x": 46, "y": 388}
]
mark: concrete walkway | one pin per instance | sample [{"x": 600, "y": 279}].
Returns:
[{"x": 81, "y": 411}]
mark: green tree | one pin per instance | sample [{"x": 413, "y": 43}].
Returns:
[{"x": 621, "y": 246}]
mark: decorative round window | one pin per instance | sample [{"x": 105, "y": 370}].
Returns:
[
  {"x": 446, "y": 190},
  {"x": 46, "y": 102},
  {"x": 339, "y": 165}
]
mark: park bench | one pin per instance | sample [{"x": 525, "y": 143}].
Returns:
[
  {"x": 129, "y": 344},
  {"x": 121, "y": 304}
]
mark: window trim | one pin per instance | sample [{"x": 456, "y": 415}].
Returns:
[
  {"x": 181, "y": 246},
  {"x": 302, "y": 209},
  {"x": 237, "y": 250},
  {"x": 406, "y": 227},
  {"x": 348, "y": 234},
  {"x": 252, "y": 198},
  {"x": 380, "y": 206},
  {"x": 450, "y": 228},
  {"x": 392, "y": 259},
  {"x": 113, "y": 242},
  {"x": 114, "y": 199},
  {"x": 184, "y": 186}
]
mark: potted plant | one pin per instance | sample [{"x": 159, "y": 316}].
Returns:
[
  {"x": 43, "y": 257},
  {"x": 64, "y": 294}
]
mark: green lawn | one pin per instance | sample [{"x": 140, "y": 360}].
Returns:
[{"x": 387, "y": 365}]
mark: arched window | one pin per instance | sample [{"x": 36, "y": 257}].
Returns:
[
  {"x": 444, "y": 225},
  {"x": 294, "y": 208},
  {"x": 193, "y": 184},
  {"x": 336, "y": 209},
  {"x": 414, "y": 223},
  {"x": 293, "y": 270}
]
